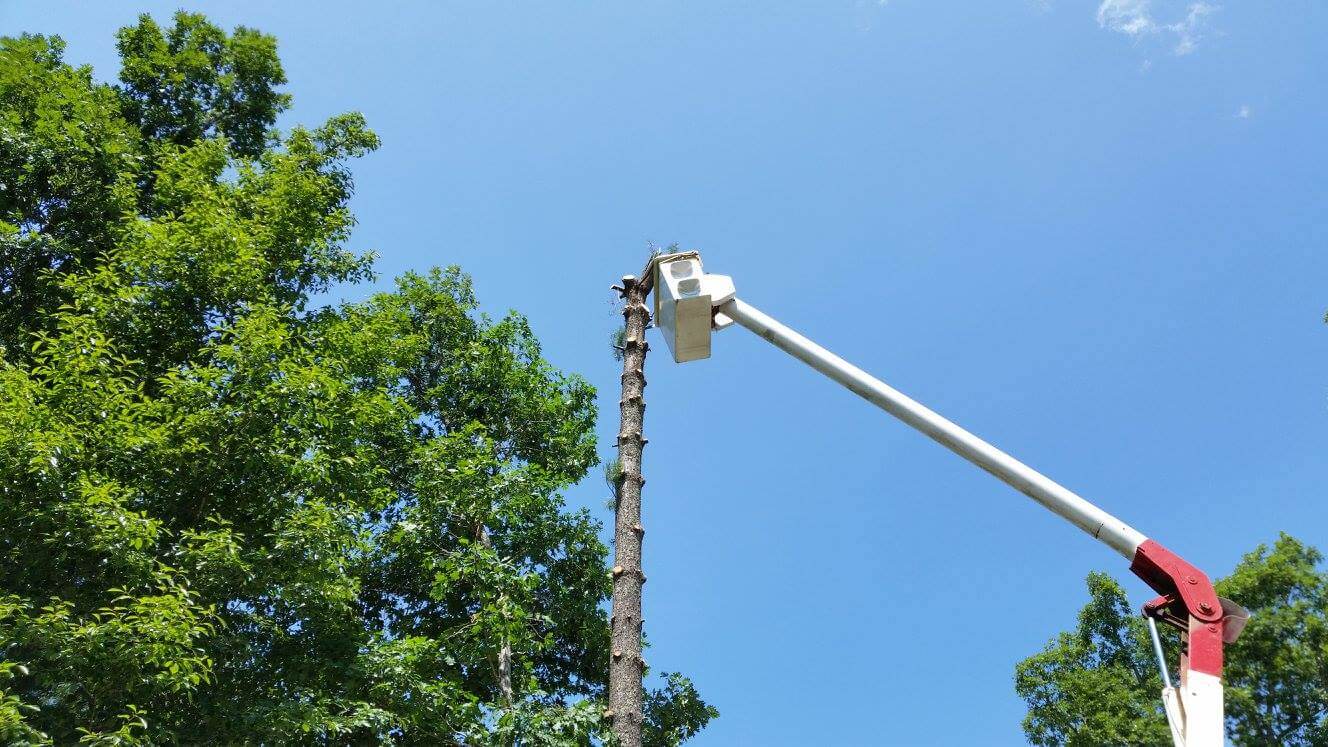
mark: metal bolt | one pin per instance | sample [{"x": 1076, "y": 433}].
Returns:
[
  {"x": 1205, "y": 607},
  {"x": 1212, "y": 628},
  {"x": 1192, "y": 580}
]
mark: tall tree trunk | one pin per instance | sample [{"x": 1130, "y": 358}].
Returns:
[
  {"x": 502, "y": 670},
  {"x": 505, "y": 673},
  {"x": 626, "y": 666}
]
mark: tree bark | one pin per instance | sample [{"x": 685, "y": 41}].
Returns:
[
  {"x": 626, "y": 667},
  {"x": 502, "y": 670}
]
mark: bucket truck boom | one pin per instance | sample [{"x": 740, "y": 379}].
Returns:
[{"x": 689, "y": 304}]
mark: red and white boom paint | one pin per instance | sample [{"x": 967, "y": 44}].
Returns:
[{"x": 690, "y": 304}]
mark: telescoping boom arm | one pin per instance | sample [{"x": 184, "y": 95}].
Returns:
[{"x": 689, "y": 304}]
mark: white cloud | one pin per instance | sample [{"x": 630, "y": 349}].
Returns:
[
  {"x": 1244, "y": 112},
  {"x": 1188, "y": 30},
  {"x": 1126, "y": 16},
  {"x": 1134, "y": 18}
]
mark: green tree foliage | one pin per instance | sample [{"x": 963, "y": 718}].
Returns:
[
  {"x": 1099, "y": 683},
  {"x": 675, "y": 713},
  {"x": 233, "y": 515}
]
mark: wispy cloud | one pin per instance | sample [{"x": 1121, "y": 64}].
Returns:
[
  {"x": 1190, "y": 28},
  {"x": 1135, "y": 19},
  {"x": 867, "y": 12},
  {"x": 1244, "y": 112},
  {"x": 1126, "y": 16}
]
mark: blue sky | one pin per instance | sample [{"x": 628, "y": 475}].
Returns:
[{"x": 1091, "y": 233}]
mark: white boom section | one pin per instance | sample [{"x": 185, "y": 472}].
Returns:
[
  {"x": 1121, "y": 537},
  {"x": 1201, "y": 708}
]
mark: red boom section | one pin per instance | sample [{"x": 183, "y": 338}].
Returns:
[{"x": 1180, "y": 582}]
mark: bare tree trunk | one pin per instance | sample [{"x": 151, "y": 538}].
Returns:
[{"x": 626, "y": 666}]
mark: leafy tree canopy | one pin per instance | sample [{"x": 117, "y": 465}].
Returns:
[
  {"x": 1099, "y": 683},
  {"x": 232, "y": 514}
]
